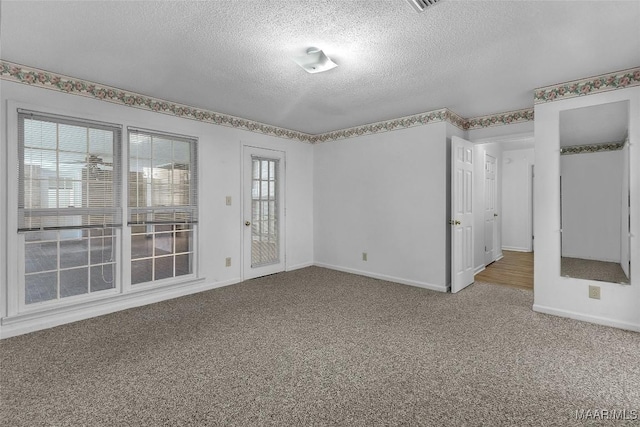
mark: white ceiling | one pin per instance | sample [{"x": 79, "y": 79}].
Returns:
[{"x": 234, "y": 57}]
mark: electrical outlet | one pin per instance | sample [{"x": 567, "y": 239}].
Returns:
[
  {"x": 227, "y": 262},
  {"x": 364, "y": 256},
  {"x": 594, "y": 292},
  {"x": 228, "y": 200}
]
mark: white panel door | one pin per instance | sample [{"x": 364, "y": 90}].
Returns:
[
  {"x": 490, "y": 209},
  {"x": 263, "y": 209},
  {"x": 462, "y": 214}
]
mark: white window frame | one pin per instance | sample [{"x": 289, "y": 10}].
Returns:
[
  {"x": 126, "y": 238},
  {"x": 16, "y": 294},
  {"x": 13, "y": 294}
]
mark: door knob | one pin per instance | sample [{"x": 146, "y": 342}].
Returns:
[
  {"x": 495, "y": 214},
  {"x": 247, "y": 223},
  {"x": 456, "y": 222}
]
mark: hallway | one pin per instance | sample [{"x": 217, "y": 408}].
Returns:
[{"x": 515, "y": 269}]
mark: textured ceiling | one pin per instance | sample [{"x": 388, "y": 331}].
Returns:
[{"x": 234, "y": 57}]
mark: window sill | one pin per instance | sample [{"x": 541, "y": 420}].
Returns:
[{"x": 119, "y": 301}]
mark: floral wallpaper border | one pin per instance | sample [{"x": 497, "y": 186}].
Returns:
[
  {"x": 389, "y": 125},
  {"x": 507, "y": 118},
  {"x": 602, "y": 83},
  {"x": 45, "y": 79},
  {"x": 592, "y": 148},
  {"x": 36, "y": 77}
]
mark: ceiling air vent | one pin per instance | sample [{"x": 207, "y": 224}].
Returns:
[{"x": 421, "y": 5}]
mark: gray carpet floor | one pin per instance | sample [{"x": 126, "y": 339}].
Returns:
[
  {"x": 320, "y": 347},
  {"x": 593, "y": 270}
]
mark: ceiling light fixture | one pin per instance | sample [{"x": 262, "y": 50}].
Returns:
[
  {"x": 421, "y": 5},
  {"x": 315, "y": 61}
]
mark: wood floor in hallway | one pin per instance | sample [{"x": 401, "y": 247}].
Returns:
[{"x": 514, "y": 269}]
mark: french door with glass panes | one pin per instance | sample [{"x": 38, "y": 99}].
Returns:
[{"x": 263, "y": 212}]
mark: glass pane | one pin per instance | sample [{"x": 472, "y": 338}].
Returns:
[
  {"x": 264, "y": 236},
  {"x": 72, "y": 138},
  {"x": 141, "y": 271},
  {"x": 164, "y": 268},
  {"x": 101, "y": 143},
  {"x": 163, "y": 244},
  {"x": 183, "y": 264},
  {"x": 40, "y": 134},
  {"x": 41, "y": 257},
  {"x": 141, "y": 246},
  {"x": 161, "y": 187},
  {"x": 139, "y": 185},
  {"x": 73, "y": 282},
  {"x": 71, "y": 195},
  {"x": 102, "y": 250},
  {"x": 161, "y": 228},
  {"x": 162, "y": 152},
  {"x": 74, "y": 253},
  {"x": 35, "y": 192},
  {"x": 139, "y": 229},
  {"x": 182, "y": 153},
  {"x": 183, "y": 241},
  {"x": 41, "y": 236},
  {"x": 41, "y": 287},
  {"x": 180, "y": 195},
  {"x": 44, "y": 162},
  {"x": 140, "y": 146},
  {"x": 256, "y": 169},
  {"x": 73, "y": 166},
  {"x": 100, "y": 193},
  {"x": 97, "y": 232},
  {"x": 102, "y": 277}
]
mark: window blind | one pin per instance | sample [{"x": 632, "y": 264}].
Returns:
[
  {"x": 162, "y": 178},
  {"x": 69, "y": 173}
]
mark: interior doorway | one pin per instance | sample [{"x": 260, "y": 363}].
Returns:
[
  {"x": 514, "y": 269},
  {"x": 504, "y": 235}
]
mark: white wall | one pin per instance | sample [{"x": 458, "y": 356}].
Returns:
[
  {"x": 499, "y": 133},
  {"x": 566, "y": 296},
  {"x": 384, "y": 194},
  {"x": 591, "y": 193},
  {"x": 220, "y": 227},
  {"x": 517, "y": 199}
]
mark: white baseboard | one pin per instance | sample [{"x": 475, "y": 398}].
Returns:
[
  {"x": 587, "y": 318},
  {"x": 425, "y": 285},
  {"x": 516, "y": 249},
  {"x": 479, "y": 269},
  {"x": 31, "y": 322},
  {"x": 299, "y": 266}
]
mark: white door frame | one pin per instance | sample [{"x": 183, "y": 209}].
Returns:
[{"x": 249, "y": 272}]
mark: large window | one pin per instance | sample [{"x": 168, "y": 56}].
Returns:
[
  {"x": 69, "y": 183},
  {"x": 162, "y": 205}
]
